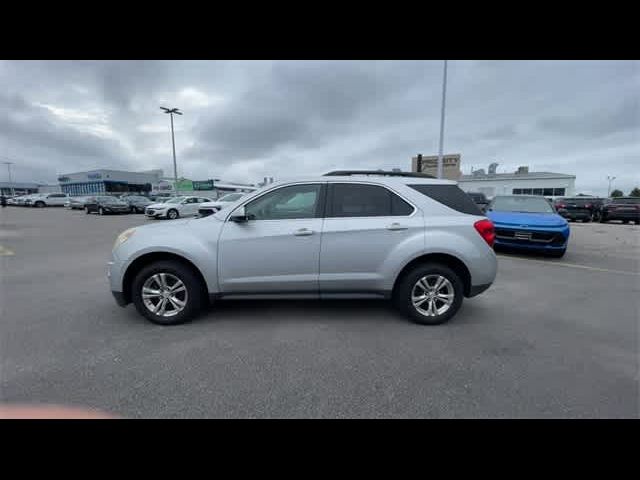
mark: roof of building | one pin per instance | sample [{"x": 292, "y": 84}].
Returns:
[
  {"x": 514, "y": 176},
  {"x": 20, "y": 185}
]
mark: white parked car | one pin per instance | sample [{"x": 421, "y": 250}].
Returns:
[
  {"x": 48, "y": 200},
  {"x": 209, "y": 208},
  {"x": 175, "y": 207}
]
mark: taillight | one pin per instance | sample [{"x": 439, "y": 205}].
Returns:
[
  {"x": 562, "y": 205},
  {"x": 486, "y": 230}
]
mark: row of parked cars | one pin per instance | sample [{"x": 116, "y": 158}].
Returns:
[
  {"x": 585, "y": 209},
  {"x": 170, "y": 207},
  {"x": 535, "y": 223}
]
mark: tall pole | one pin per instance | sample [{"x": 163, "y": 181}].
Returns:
[
  {"x": 10, "y": 180},
  {"x": 175, "y": 165},
  {"x": 171, "y": 111},
  {"x": 611, "y": 179},
  {"x": 444, "y": 97}
]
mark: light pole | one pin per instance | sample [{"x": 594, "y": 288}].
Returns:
[
  {"x": 171, "y": 111},
  {"x": 444, "y": 97},
  {"x": 8, "y": 164},
  {"x": 611, "y": 179}
]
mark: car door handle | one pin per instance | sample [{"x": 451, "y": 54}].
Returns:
[
  {"x": 303, "y": 232},
  {"x": 396, "y": 226}
]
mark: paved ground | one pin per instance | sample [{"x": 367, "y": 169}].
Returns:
[{"x": 551, "y": 338}]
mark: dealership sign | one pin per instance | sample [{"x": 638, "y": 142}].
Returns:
[
  {"x": 94, "y": 176},
  {"x": 202, "y": 185}
]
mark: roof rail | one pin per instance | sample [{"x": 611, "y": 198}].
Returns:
[{"x": 337, "y": 173}]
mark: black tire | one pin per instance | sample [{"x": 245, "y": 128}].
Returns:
[
  {"x": 132, "y": 209},
  {"x": 558, "y": 254},
  {"x": 196, "y": 292},
  {"x": 87, "y": 210},
  {"x": 39, "y": 205},
  {"x": 403, "y": 291},
  {"x": 172, "y": 214},
  {"x": 586, "y": 220},
  {"x": 101, "y": 211},
  {"x": 602, "y": 219}
]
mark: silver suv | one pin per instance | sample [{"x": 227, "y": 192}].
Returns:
[{"x": 419, "y": 241}]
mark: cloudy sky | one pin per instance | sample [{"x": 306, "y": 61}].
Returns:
[{"x": 244, "y": 120}]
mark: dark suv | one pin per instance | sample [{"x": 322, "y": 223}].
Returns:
[
  {"x": 579, "y": 208},
  {"x": 621, "y": 208}
]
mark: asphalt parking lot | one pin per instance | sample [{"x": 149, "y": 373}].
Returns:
[{"x": 553, "y": 338}]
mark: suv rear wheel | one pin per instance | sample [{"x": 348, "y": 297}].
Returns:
[
  {"x": 167, "y": 293},
  {"x": 430, "y": 294}
]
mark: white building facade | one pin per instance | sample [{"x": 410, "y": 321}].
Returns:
[{"x": 547, "y": 184}]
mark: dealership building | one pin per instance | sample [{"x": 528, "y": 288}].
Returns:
[
  {"x": 151, "y": 182},
  {"x": 26, "y": 188},
  {"x": 102, "y": 181},
  {"x": 521, "y": 182}
]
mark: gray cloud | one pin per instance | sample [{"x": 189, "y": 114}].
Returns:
[{"x": 245, "y": 120}]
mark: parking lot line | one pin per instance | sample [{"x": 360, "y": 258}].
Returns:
[
  {"x": 572, "y": 265},
  {"x": 5, "y": 251}
]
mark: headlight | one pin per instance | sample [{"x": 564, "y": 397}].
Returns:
[{"x": 123, "y": 237}]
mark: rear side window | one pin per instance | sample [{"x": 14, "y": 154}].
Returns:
[
  {"x": 451, "y": 196},
  {"x": 359, "y": 200}
]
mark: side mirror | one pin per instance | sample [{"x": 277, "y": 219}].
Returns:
[{"x": 239, "y": 215}]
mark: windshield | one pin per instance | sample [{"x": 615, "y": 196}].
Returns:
[
  {"x": 175, "y": 200},
  {"x": 231, "y": 197},
  {"x": 521, "y": 204}
]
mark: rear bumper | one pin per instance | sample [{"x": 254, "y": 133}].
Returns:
[
  {"x": 574, "y": 215},
  {"x": 478, "y": 289},
  {"x": 621, "y": 215},
  {"x": 120, "y": 299}
]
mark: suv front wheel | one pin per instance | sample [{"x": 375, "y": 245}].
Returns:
[
  {"x": 167, "y": 293},
  {"x": 430, "y": 294}
]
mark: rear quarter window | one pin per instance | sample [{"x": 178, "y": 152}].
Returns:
[{"x": 451, "y": 196}]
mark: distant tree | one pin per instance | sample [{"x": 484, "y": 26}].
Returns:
[
  {"x": 617, "y": 193},
  {"x": 635, "y": 192}
]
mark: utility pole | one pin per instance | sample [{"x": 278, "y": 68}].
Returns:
[
  {"x": 171, "y": 111},
  {"x": 611, "y": 179},
  {"x": 8, "y": 164},
  {"x": 444, "y": 97}
]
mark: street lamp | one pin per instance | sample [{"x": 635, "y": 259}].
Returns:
[
  {"x": 171, "y": 111},
  {"x": 611, "y": 179},
  {"x": 8, "y": 164},
  {"x": 444, "y": 96}
]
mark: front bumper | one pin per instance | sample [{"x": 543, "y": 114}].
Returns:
[
  {"x": 539, "y": 239},
  {"x": 155, "y": 213}
]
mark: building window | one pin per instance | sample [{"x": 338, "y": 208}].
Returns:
[
  {"x": 537, "y": 191},
  {"x": 548, "y": 192},
  {"x": 517, "y": 191},
  {"x": 526, "y": 191},
  {"x": 558, "y": 192}
]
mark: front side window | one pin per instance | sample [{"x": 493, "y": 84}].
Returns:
[
  {"x": 295, "y": 201},
  {"x": 360, "y": 200}
]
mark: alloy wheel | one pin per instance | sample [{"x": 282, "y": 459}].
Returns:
[
  {"x": 164, "y": 294},
  {"x": 435, "y": 293}
]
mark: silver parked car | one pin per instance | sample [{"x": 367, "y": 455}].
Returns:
[
  {"x": 209, "y": 208},
  {"x": 419, "y": 241}
]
